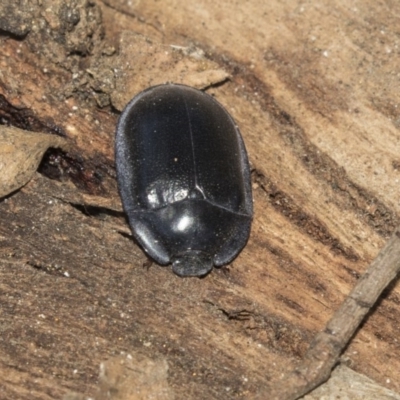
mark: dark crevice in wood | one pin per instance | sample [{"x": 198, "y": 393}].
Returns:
[
  {"x": 96, "y": 211},
  {"x": 25, "y": 119},
  {"x": 85, "y": 174}
]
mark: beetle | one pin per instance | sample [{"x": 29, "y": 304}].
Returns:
[{"x": 184, "y": 178}]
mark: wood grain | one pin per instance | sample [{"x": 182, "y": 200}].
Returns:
[{"x": 314, "y": 89}]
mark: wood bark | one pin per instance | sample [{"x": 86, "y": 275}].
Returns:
[{"x": 314, "y": 89}]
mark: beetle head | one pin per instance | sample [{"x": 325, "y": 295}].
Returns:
[{"x": 192, "y": 263}]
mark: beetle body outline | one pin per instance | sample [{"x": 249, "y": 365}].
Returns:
[{"x": 184, "y": 178}]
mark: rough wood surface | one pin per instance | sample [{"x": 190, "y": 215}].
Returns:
[
  {"x": 328, "y": 345},
  {"x": 314, "y": 88}
]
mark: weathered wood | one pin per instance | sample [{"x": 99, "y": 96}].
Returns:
[
  {"x": 328, "y": 345},
  {"x": 314, "y": 90}
]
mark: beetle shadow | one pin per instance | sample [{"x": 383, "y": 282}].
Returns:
[{"x": 149, "y": 262}]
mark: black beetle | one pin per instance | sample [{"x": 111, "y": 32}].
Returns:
[{"x": 184, "y": 178}]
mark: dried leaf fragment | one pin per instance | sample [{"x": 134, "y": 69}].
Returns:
[
  {"x": 348, "y": 384},
  {"x": 20, "y": 155}
]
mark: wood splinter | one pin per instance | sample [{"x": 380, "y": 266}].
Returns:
[{"x": 327, "y": 346}]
